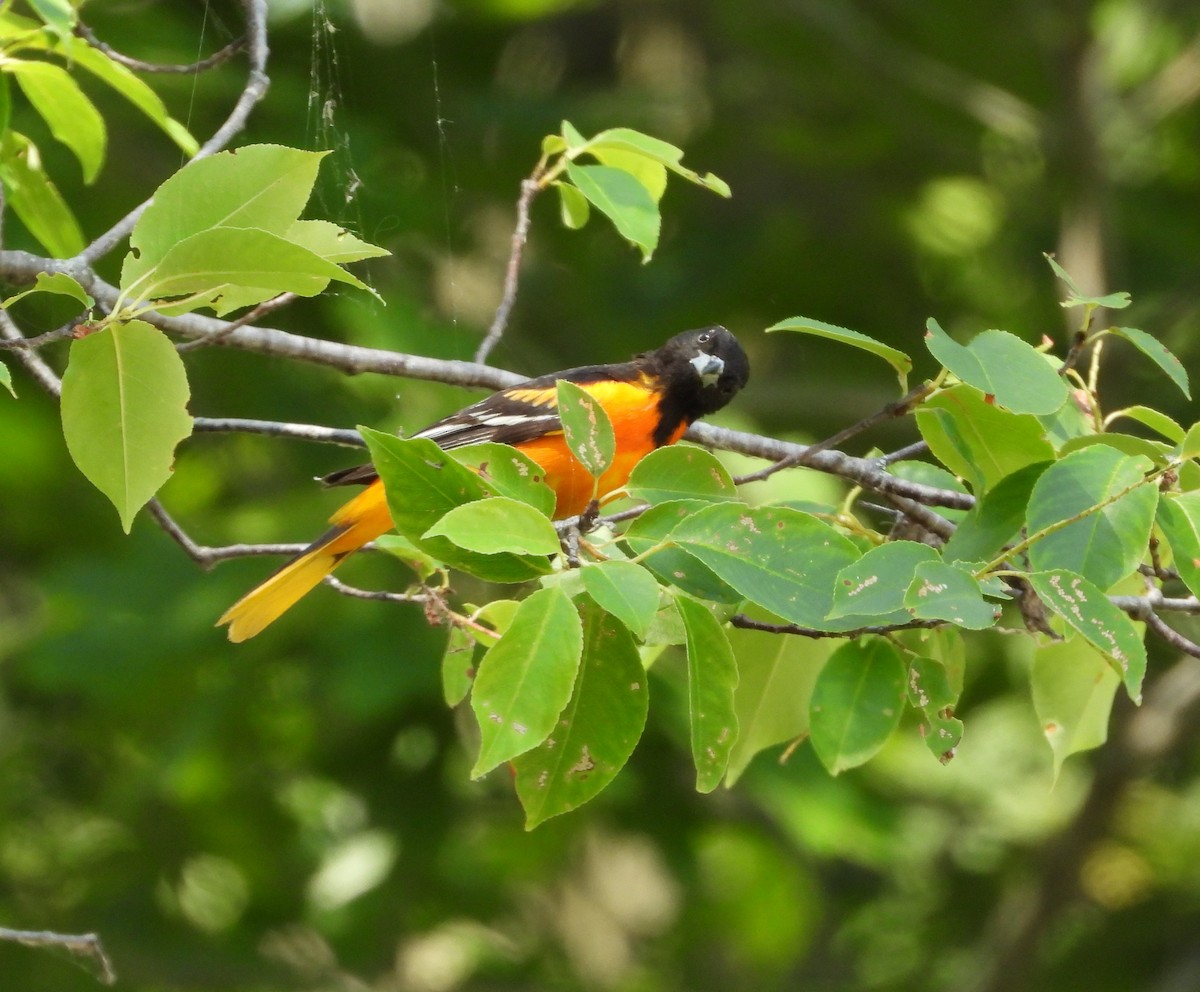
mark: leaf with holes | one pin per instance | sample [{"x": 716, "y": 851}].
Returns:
[
  {"x": 947, "y": 592},
  {"x": 509, "y": 472},
  {"x": 1085, "y": 607},
  {"x": 124, "y": 409},
  {"x": 596, "y": 731},
  {"x": 586, "y": 427},
  {"x": 873, "y": 587},
  {"x": 525, "y": 680}
]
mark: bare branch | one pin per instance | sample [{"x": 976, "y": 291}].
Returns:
[
  {"x": 249, "y": 317},
  {"x": 749, "y": 623},
  {"x": 271, "y": 428},
  {"x": 206, "y": 556},
  {"x": 217, "y": 58},
  {"x": 86, "y": 946},
  {"x": 529, "y": 189},
  {"x": 34, "y": 364},
  {"x": 381, "y": 595}
]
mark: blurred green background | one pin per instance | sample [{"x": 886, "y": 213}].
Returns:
[{"x": 295, "y": 812}]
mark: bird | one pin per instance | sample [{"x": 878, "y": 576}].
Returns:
[{"x": 650, "y": 400}]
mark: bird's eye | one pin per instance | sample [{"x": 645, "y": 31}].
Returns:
[{"x": 704, "y": 338}]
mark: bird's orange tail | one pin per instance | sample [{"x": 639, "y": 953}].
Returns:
[{"x": 357, "y": 523}]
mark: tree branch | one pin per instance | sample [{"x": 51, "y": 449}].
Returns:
[{"x": 86, "y": 946}]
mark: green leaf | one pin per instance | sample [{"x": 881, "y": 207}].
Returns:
[
  {"x": 1073, "y": 690},
  {"x": 873, "y": 587},
  {"x": 57, "y": 283},
  {"x": 1085, "y": 607},
  {"x": 509, "y": 472},
  {"x": 712, "y": 678},
  {"x": 1189, "y": 447},
  {"x": 423, "y": 483},
  {"x": 978, "y": 440},
  {"x": 5, "y": 104},
  {"x": 597, "y": 730},
  {"x": 996, "y": 518},
  {"x": 526, "y": 678},
  {"x": 1158, "y": 353},
  {"x": 1001, "y": 365},
  {"x": 624, "y": 589},
  {"x": 259, "y": 186},
  {"x": 59, "y": 16},
  {"x": 623, "y": 139},
  {"x": 72, "y": 118},
  {"x": 931, "y": 690},
  {"x": 133, "y": 89},
  {"x": 672, "y": 565},
  {"x": 1104, "y": 546},
  {"x": 332, "y": 242},
  {"x": 1179, "y": 518},
  {"x": 495, "y": 525},
  {"x": 124, "y": 409},
  {"x": 1111, "y": 301},
  {"x": 1156, "y": 420},
  {"x": 776, "y": 676},
  {"x": 680, "y": 471},
  {"x": 586, "y": 428},
  {"x": 623, "y": 200},
  {"x": 946, "y": 592},
  {"x": 856, "y": 703},
  {"x": 35, "y": 199},
  {"x": 646, "y": 170},
  {"x": 573, "y": 206},
  {"x": 6, "y": 379},
  {"x": 458, "y": 666},
  {"x": 1158, "y": 452},
  {"x": 806, "y": 325},
  {"x": 756, "y": 551}
]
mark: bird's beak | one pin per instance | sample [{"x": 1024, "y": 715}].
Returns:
[{"x": 709, "y": 368}]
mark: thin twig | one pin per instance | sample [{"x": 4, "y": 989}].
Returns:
[
  {"x": 529, "y": 189},
  {"x": 271, "y": 428},
  {"x": 138, "y": 65},
  {"x": 41, "y": 340},
  {"x": 206, "y": 556},
  {"x": 249, "y": 317},
  {"x": 83, "y": 945},
  {"x": 381, "y": 595},
  {"x": 749, "y": 623},
  {"x": 34, "y": 364}
]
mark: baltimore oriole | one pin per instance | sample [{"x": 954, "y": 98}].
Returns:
[{"x": 650, "y": 401}]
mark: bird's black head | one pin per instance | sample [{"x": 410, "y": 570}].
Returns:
[
  {"x": 700, "y": 371},
  {"x": 703, "y": 368}
]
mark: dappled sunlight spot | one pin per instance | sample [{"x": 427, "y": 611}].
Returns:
[
  {"x": 351, "y": 868},
  {"x": 389, "y": 22},
  {"x": 445, "y": 957},
  {"x": 955, "y": 215},
  {"x": 211, "y": 894},
  {"x": 1115, "y": 876}
]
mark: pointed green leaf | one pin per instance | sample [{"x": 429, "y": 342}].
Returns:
[
  {"x": 680, "y": 471},
  {"x": 1104, "y": 546},
  {"x": 35, "y": 199},
  {"x": 259, "y": 186},
  {"x": 215, "y": 264},
  {"x": 57, "y": 283},
  {"x": 332, "y": 242},
  {"x": 894, "y": 357},
  {"x": 980, "y": 441},
  {"x": 948, "y": 592},
  {"x": 646, "y": 170},
  {"x": 712, "y": 679},
  {"x": 525, "y": 680},
  {"x": 1158, "y": 452},
  {"x": 72, "y": 118},
  {"x": 1001, "y": 365},
  {"x": 597, "y": 730},
  {"x": 756, "y": 551},
  {"x": 586, "y": 427},
  {"x": 423, "y": 483},
  {"x": 856, "y": 703},
  {"x": 623, "y": 139},
  {"x": 624, "y": 589},
  {"x": 623, "y": 200},
  {"x": 496, "y": 525},
  {"x": 1156, "y": 420},
  {"x": 60, "y": 17},
  {"x": 1158, "y": 353},
  {"x": 6, "y": 379},
  {"x": 1073, "y": 690},
  {"x": 1112, "y": 301},
  {"x": 509, "y": 472},
  {"x": 1085, "y": 607},
  {"x": 124, "y": 409}
]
